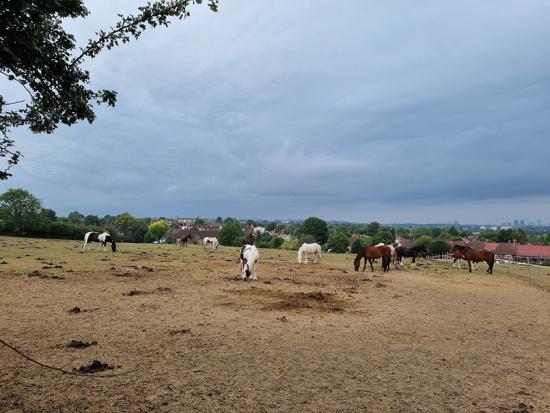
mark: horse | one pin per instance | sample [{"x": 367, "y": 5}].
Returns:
[
  {"x": 412, "y": 252},
  {"x": 457, "y": 256},
  {"x": 371, "y": 253},
  {"x": 182, "y": 242},
  {"x": 305, "y": 249},
  {"x": 248, "y": 259},
  {"x": 210, "y": 241},
  {"x": 102, "y": 238},
  {"x": 471, "y": 254},
  {"x": 391, "y": 247}
]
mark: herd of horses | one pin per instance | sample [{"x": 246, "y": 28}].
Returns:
[{"x": 249, "y": 255}]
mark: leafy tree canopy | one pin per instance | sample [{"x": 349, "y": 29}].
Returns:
[
  {"x": 317, "y": 228},
  {"x": 158, "y": 229},
  {"x": 20, "y": 209},
  {"x": 231, "y": 234},
  {"x": 44, "y": 60}
]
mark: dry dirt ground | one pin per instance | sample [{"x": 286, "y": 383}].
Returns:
[{"x": 304, "y": 338}]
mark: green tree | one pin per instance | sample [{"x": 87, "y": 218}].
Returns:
[
  {"x": 264, "y": 240},
  {"x": 199, "y": 222},
  {"x": 277, "y": 242},
  {"x": 20, "y": 210},
  {"x": 338, "y": 242},
  {"x": 423, "y": 240},
  {"x": 439, "y": 247},
  {"x": 158, "y": 229},
  {"x": 383, "y": 235},
  {"x": 373, "y": 228},
  {"x": 48, "y": 214},
  {"x": 219, "y": 220},
  {"x": 76, "y": 217},
  {"x": 271, "y": 226},
  {"x": 92, "y": 220},
  {"x": 231, "y": 234},
  {"x": 40, "y": 56},
  {"x": 317, "y": 228},
  {"x": 356, "y": 246},
  {"x": 124, "y": 223}
]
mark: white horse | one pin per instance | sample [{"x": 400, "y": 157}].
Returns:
[
  {"x": 305, "y": 249},
  {"x": 391, "y": 247},
  {"x": 102, "y": 238},
  {"x": 249, "y": 258},
  {"x": 210, "y": 241}
]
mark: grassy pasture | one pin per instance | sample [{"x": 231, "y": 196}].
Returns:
[{"x": 302, "y": 338}]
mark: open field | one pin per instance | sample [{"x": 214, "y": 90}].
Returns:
[{"x": 302, "y": 338}]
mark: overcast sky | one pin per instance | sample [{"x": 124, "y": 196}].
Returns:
[{"x": 394, "y": 111}]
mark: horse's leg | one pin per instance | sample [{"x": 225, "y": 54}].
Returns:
[
  {"x": 370, "y": 262},
  {"x": 364, "y": 263},
  {"x": 413, "y": 262},
  {"x": 469, "y": 266}
]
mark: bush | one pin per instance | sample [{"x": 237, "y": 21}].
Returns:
[
  {"x": 307, "y": 238},
  {"x": 338, "y": 242},
  {"x": 423, "y": 240},
  {"x": 290, "y": 245},
  {"x": 264, "y": 240},
  {"x": 277, "y": 242},
  {"x": 439, "y": 247},
  {"x": 356, "y": 247},
  {"x": 231, "y": 234}
]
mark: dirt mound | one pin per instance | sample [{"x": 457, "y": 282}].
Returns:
[
  {"x": 81, "y": 344},
  {"x": 523, "y": 408},
  {"x": 39, "y": 274},
  {"x": 318, "y": 300},
  {"x": 181, "y": 331},
  {"x": 94, "y": 367},
  {"x": 139, "y": 292}
]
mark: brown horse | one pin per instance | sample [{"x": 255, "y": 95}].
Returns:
[
  {"x": 371, "y": 253},
  {"x": 182, "y": 242},
  {"x": 471, "y": 254}
]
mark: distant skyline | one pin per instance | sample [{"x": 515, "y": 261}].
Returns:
[{"x": 361, "y": 111}]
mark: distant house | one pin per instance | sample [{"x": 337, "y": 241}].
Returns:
[
  {"x": 259, "y": 230},
  {"x": 406, "y": 242}
]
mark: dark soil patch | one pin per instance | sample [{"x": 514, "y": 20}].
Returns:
[
  {"x": 139, "y": 292},
  {"x": 94, "y": 367},
  {"x": 39, "y": 274},
  {"x": 285, "y": 301},
  {"x": 181, "y": 331},
  {"x": 81, "y": 344},
  {"x": 131, "y": 293},
  {"x": 380, "y": 285},
  {"x": 523, "y": 408},
  {"x": 75, "y": 310}
]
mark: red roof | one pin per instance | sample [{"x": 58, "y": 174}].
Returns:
[{"x": 533, "y": 251}]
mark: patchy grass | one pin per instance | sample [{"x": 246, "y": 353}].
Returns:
[{"x": 302, "y": 338}]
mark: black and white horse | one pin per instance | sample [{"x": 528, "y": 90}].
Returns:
[
  {"x": 102, "y": 238},
  {"x": 413, "y": 252},
  {"x": 248, "y": 259}
]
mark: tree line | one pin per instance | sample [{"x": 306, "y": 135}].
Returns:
[{"x": 21, "y": 213}]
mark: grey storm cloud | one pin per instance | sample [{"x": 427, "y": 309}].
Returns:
[{"x": 361, "y": 110}]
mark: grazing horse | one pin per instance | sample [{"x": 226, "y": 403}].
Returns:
[
  {"x": 182, "y": 242},
  {"x": 471, "y": 254},
  {"x": 305, "y": 249},
  {"x": 210, "y": 241},
  {"x": 371, "y": 253},
  {"x": 102, "y": 238},
  {"x": 412, "y": 252},
  {"x": 457, "y": 256},
  {"x": 391, "y": 247},
  {"x": 248, "y": 259}
]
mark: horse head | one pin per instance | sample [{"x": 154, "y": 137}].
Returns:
[{"x": 357, "y": 262}]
